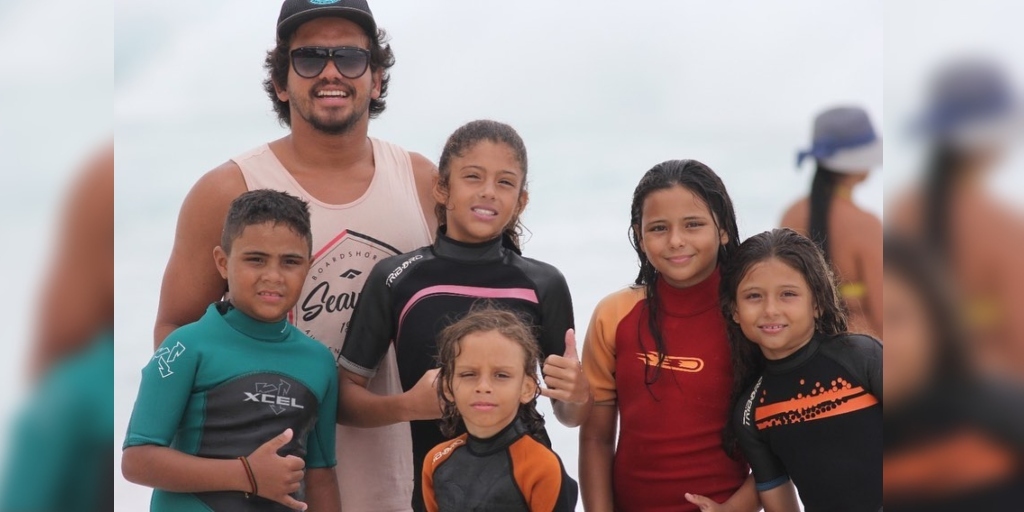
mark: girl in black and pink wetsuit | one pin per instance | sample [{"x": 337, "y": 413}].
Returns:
[{"x": 408, "y": 299}]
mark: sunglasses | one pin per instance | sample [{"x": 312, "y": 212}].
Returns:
[{"x": 310, "y": 61}]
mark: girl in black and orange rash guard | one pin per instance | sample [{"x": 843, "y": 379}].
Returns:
[{"x": 808, "y": 394}]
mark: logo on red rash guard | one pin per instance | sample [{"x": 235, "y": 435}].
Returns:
[{"x": 675, "y": 363}]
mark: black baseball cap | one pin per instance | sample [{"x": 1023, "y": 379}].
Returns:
[{"x": 297, "y": 12}]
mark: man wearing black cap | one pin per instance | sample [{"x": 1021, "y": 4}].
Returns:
[{"x": 369, "y": 199}]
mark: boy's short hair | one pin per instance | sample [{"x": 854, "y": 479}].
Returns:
[{"x": 262, "y": 206}]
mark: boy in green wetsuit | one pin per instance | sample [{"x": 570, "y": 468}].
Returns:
[{"x": 236, "y": 411}]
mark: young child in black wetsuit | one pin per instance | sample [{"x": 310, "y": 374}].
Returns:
[
  {"x": 489, "y": 383},
  {"x": 808, "y": 402}
]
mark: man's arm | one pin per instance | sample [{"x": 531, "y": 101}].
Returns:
[
  {"x": 360, "y": 407},
  {"x": 425, "y": 174},
  {"x": 191, "y": 281},
  {"x": 322, "y": 490}
]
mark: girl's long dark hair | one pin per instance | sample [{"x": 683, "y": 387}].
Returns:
[
  {"x": 800, "y": 254},
  {"x": 823, "y": 187},
  {"x": 944, "y": 167},
  {"x": 705, "y": 184},
  {"x": 486, "y": 316}
]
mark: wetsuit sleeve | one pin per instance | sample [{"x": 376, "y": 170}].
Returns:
[
  {"x": 541, "y": 478},
  {"x": 861, "y": 356},
  {"x": 768, "y": 470},
  {"x": 320, "y": 444},
  {"x": 165, "y": 390},
  {"x": 371, "y": 329},
  {"x": 599, "y": 347},
  {"x": 556, "y": 310}
]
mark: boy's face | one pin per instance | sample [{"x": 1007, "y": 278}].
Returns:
[
  {"x": 490, "y": 382},
  {"x": 265, "y": 270}
]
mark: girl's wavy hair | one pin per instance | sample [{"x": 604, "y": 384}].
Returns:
[
  {"x": 706, "y": 185},
  {"x": 799, "y": 253},
  {"x": 461, "y": 141},
  {"x": 486, "y": 316}
]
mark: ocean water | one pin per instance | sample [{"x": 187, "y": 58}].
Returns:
[{"x": 598, "y": 94}]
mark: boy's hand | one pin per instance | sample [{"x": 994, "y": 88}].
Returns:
[
  {"x": 277, "y": 476},
  {"x": 563, "y": 375},
  {"x": 423, "y": 401},
  {"x": 705, "y": 504}
]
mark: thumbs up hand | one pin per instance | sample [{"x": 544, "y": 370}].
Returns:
[
  {"x": 563, "y": 375},
  {"x": 276, "y": 476}
]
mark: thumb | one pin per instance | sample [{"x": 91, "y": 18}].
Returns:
[
  {"x": 570, "y": 345},
  {"x": 282, "y": 439},
  {"x": 698, "y": 500}
]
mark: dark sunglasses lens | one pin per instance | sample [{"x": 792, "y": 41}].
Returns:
[
  {"x": 309, "y": 64},
  {"x": 351, "y": 63}
]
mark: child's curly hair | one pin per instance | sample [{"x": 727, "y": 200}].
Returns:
[{"x": 485, "y": 317}]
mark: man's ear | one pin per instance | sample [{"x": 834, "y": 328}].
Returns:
[
  {"x": 378, "y": 78},
  {"x": 220, "y": 259}
]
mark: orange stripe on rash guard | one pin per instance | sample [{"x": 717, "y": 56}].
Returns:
[
  {"x": 854, "y": 404},
  {"x": 801, "y": 414},
  {"x": 806, "y": 402}
]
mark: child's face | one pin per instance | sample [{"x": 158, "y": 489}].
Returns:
[
  {"x": 490, "y": 382},
  {"x": 775, "y": 308},
  {"x": 265, "y": 270},
  {"x": 484, "y": 192},
  {"x": 679, "y": 236}
]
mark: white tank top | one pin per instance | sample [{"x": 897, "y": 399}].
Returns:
[{"x": 374, "y": 465}]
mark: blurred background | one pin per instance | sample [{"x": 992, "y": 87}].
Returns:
[
  {"x": 600, "y": 92},
  {"x": 56, "y": 131}
]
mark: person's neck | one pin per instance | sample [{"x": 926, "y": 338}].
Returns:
[{"x": 314, "y": 149}]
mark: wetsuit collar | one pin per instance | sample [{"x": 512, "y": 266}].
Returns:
[
  {"x": 497, "y": 442},
  {"x": 249, "y": 326},
  {"x": 491, "y": 250},
  {"x": 796, "y": 359},
  {"x": 689, "y": 301}
]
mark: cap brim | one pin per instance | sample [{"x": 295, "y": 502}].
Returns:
[
  {"x": 857, "y": 159},
  {"x": 289, "y": 24}
]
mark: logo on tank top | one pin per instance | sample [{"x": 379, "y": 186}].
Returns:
[{"x": 334, "y": 283}]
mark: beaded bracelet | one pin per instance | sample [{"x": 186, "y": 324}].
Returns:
[{"x": 252, "y": 478}]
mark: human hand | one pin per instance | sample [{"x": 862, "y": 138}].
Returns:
[
  {"x": 276, "y": 476},
  {"x": 563, "y": 375}
]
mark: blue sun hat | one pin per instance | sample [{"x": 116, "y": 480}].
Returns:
[
  {"x": 844, "y": 141},
  {"x": 971, "y": 103}
]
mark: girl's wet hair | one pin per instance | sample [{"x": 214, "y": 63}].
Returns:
[
  {"x": 485, "y": 316},
  {"x": 799, "y": 253},
  {"x": 706, "y": 185},
  {"x": 461, "y": 141}
]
